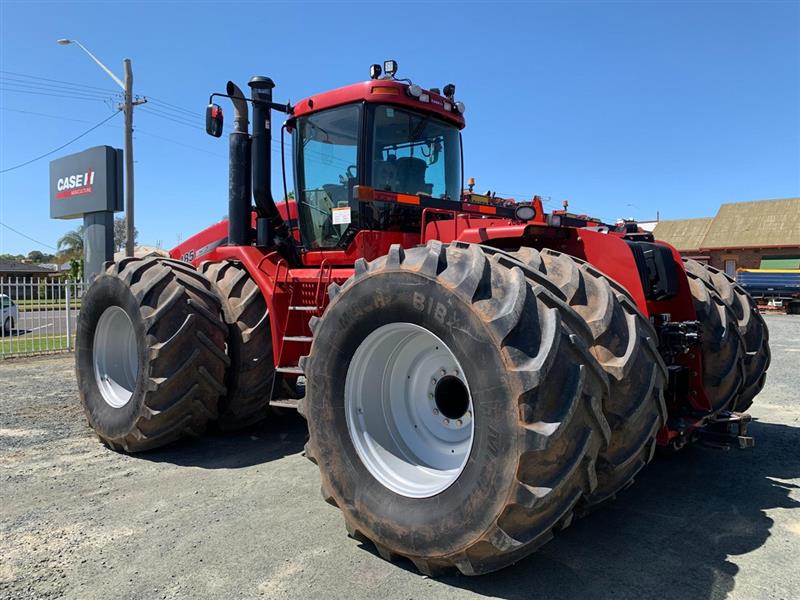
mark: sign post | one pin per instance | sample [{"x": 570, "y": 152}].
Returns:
[{"x": 89, "y": 185}]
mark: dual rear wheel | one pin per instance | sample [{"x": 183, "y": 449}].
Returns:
[
  {"x": 459, "y": 403},
  {"x": 163, "y": 350}
]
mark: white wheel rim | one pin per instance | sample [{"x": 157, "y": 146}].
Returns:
[
  {"x": 409, "y": 411},
  {"x": 116, "y": 357}
]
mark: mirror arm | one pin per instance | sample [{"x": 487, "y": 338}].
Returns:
[{"x": 284, "y": 108}]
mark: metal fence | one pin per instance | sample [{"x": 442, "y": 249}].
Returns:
[{"x": 38, "y": 315}]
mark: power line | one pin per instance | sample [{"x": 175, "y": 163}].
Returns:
[
  {"x": 50, "y": 87},
  {"x": 39, "y": 114},
  {"x": 137, "y": 131},
  {"x": 70, "y": 83},
  {"x": 75, "y": 139},
  {"x": 38, "y": 93},
  {"x": 28, "y": 237}
]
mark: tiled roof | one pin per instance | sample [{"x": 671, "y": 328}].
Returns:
[{"x": 757, "y": 224}]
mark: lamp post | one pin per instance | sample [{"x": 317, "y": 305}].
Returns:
[{"x": 127, "y": 107}]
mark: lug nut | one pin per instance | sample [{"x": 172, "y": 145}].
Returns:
[
  {"x": 460, "y": 422},
  {"x": 444, "y": 372},
  {"x": 433, "y": 380},
  {"x": 436, "y": 411},
  {"x": 447, "y": 421}
]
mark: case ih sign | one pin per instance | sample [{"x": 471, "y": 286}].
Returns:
[
  {"x": 75, "y": 185},
  {"x": 86, "y": 182}
]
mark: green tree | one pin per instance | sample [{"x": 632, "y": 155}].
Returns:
[
  {"x": 70, "y": 245},
  {"x": 121, "y": 234}
]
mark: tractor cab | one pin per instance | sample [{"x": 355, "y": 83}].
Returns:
[{"x": 384, "y": 135}]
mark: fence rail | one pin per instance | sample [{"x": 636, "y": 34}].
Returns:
[{"x": 38, "y": 315}]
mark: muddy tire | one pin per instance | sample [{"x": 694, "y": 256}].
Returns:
[
  {"x": 150, "y": 353},
  {"x": 721, "y": 344},
  {"x": 750, "y": 324},
  {"x": 624, "y": 344},
  {"x": 249, "y": 378},
  {"x": 492, "y": 368}
]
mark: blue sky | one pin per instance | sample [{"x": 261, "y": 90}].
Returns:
[{"x": 624, "y": 108}]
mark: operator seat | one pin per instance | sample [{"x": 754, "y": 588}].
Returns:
[{"x": 411, "y": 176}]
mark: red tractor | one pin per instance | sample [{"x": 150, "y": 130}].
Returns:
[{"x": 473, "y": 372}]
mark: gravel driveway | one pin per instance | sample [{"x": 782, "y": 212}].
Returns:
[{"x": 240, "y": 516}]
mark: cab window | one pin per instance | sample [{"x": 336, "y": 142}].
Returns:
[{"x": 326, "y": 151}]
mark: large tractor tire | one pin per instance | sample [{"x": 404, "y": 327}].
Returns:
[
  {"x": 150, "y": 353},
  {"x": 252, "y": 370},
  {"x": 750, "y": 324},
  {"x": 624, "y": 343},
  {"x": 454, "y": 409},
  {"x": 721, "y": 344}
]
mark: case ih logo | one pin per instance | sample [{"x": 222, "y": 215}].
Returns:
[{"x": 75, "y": 185}]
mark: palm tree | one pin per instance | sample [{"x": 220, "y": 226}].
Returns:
[{"x": 71, "y": 243}]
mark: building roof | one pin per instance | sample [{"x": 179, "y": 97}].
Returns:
[
  {"x": 757, "y": 224},
  {"x": 684, "y": 234},
  {"x": 13, "y": 266}
]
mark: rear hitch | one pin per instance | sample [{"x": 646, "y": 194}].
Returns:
[{"x": 726, "y": 430}]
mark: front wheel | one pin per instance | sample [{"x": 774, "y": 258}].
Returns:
[
  {"x": 453, "y": 411},
  {"x": 150, "y": 353}
]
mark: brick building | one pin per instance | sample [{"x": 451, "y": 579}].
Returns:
[{"x": 763, "y": 234}]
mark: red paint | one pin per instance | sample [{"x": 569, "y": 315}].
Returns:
[{"x": 371, "y": 91}]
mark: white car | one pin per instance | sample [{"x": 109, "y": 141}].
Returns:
[{"x": 9, "y": 314}]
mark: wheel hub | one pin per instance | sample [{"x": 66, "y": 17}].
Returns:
[
  {"x": 409, "y": 411},
  {"x": 115, "y": 355}
]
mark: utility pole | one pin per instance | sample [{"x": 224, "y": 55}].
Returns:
[{"x": 127, "y": 108}]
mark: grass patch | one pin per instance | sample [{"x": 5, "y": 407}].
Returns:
[
  {"x": 14, "y": 345},
  {"x": 31, "y": 305}
]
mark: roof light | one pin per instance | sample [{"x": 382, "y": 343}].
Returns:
[
  {"x": 390, "y": 68},
  {"x": 414, "y": 90},
  {"x": 460, "y": 107},
  {"x": 424, "y": 98},
  {"x": 447, "y": 106},
  {"x": 374, "y": 71},
  {"x": 449, "y": 91}
]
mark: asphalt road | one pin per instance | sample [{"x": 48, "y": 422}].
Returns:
[
  {"x": 44, "y": 323},
  {"x": 240, "y": 516}
]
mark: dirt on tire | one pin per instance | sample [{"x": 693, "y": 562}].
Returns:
[
  {"x": 180, "y": 337},
  {"x": 250, "y": 376},
  {"x": 625, "y": 345},
  {"x": 751, "y": 326},
  {"x": 537, "y": 394}
]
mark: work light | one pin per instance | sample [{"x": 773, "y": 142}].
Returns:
[
  {"x": 374, "y": 71},
  {"x": 390, "y": 67}
]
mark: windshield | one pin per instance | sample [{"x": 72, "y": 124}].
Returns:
[
  {"x": 415, "y": 154},
  {"x": 407, "y": 153}
]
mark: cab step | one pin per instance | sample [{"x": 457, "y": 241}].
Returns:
[
  {"x": 284, "y": 403},
  {"x": 290, "y": 370}
]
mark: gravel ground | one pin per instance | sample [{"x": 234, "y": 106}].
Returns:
[{"x": 240, "y": 516}]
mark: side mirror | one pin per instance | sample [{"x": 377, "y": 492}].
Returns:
[{"x": 214, "y": 120}]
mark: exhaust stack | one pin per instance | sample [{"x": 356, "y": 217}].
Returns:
[
  {"x": 270, "y": 227},
  {"x": 239, "y": 171}
]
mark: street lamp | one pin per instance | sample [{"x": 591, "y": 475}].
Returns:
[{"x": 127, "y": 107}]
